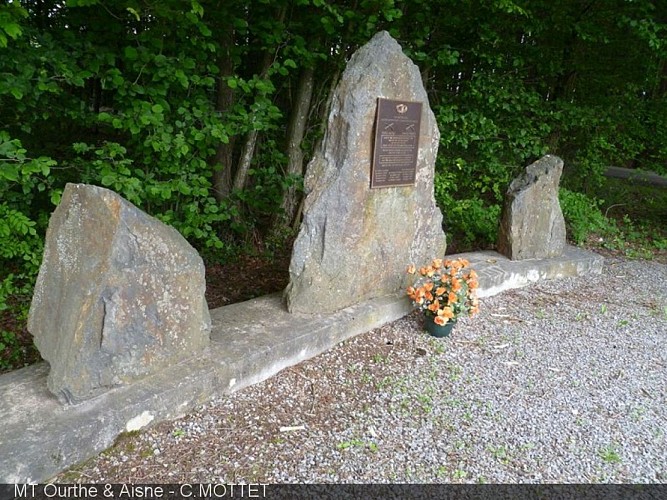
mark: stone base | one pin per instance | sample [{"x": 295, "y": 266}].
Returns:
[
  {"x": 250, "y": 342},
  {"x": 497, "y": 273}
]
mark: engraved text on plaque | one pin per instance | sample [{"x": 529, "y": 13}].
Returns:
[{"x": 396, "y": 143}]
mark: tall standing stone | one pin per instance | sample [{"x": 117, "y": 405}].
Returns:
[
  {"x": 532, "y": 224},
  {"x": 355, "y": 242},
  {"x": 119, "y": 295}
]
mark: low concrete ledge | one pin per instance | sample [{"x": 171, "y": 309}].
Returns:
[
  {"x": 40, "y": 437},
  {"x": 258, "y": 338},
  {"x": 497, "y": 273},
  {"x": 250, "y": 342}
]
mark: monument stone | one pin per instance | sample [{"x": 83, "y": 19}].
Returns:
[
  {"x": 532, "y": 224},
  {"x": 119, "y": 295},
  {"x": 356, "y": 239}
]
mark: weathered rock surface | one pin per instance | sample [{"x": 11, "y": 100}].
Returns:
[
  {"x": 119, "y": 295},
  {"x": 532, "y": 224},
  {"x": 355, "y": 242}
]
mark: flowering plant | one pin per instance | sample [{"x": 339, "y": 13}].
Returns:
[{"x": 445, "y": 290}]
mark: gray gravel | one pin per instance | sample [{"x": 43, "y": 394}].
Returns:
[{"x": 562, "y": 381}]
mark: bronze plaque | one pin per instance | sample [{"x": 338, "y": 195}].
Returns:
[{"x": 396, "y": 143}]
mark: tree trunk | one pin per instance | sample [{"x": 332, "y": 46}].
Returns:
[
  {"x": 295, "y": 132},
  {"x": 248, "y": 150},
  {"x": 564, "y": 85},
  {"x": 224, "y": 156}
]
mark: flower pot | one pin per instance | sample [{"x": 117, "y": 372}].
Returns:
[{"x": 437, "y": 330}]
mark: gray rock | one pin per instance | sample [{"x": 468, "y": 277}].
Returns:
[
  {"x": 119, "y": 295},
  {"x": 532, "y": 224},
  {"x": 355, "y": 242}
]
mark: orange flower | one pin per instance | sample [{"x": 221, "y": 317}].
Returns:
[
  {"x": 439, "y": 320},
  {"x": 446, "y": 312},
  {"x": 445, "y": 289}
]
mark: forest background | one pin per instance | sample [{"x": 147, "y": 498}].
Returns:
[{"x": 204, "y": 114}]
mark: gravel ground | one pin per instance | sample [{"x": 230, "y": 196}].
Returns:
[{"x": 560, "y": 382}]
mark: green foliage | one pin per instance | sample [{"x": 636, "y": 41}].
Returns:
[
  {"x": 470, "y": 221},
  {"x": 10, "y": 351},
  {"x": 25, "y": 184},
  {"x": 10, "y": 16},
  {"x": 583, "y": 217},
  {"x": 181, "y": 199},
  {"x": 158, "y": 100},
  {"x": 586, "y": 223},
  {"x": 636, "y": 240}
]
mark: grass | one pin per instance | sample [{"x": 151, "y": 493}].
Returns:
[
  {"x": 460, "y": 474},
  {"x": 638, "y": 215},
  {"x": 637, "y": 201},
  {"x": 358, "y": 443},
  {"x": 499, "y": 453},
  {"x": 610, "y": 454}
]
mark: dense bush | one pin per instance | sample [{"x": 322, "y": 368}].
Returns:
[
  {"x": 583, "y": 216},
  {"x": 188, "y": 107}
]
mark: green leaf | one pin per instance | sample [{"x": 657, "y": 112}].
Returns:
[
  {"x": 80, "y": 147},
  {"x": 13, "y": 30},
  {"x": 108, "y": 180},
  {"x": 10, "y": 172},
  {"x": 197, "y": 8},
  {"x": 131, "y": 53},
  {"x": 55, "y": 196},
  {"x": 180, "y": 75}
]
